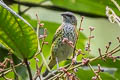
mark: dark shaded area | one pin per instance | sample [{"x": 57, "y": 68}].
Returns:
[
  {"x": 56, "y": 8},
  {"x": 3, "y": 53}
]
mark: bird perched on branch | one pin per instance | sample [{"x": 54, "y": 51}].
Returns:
[{"x": 65, "y": 35}]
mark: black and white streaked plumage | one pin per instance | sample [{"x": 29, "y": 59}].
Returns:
[{"x": 60, "y": 50}]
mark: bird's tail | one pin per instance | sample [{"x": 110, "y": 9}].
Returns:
[{"x": 51, "y": 64}]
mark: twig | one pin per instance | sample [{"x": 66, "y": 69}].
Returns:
[
  {"x": 43, "y": 39},
  {"x": 28, "y": 68},
  {"x": 22, "y": 12},
  {"x": 38, "y": 72},
  {"x": 5, "y": 71},
  {"x": 39, "y": 49},
  {"x": 78, "y": 33},
  {"x": 91, "y": 60},
  {"x": 80, "y": 28},
  {"x": 12, "y": 66},
  {"x": 4, "y": 63},
  {"x": 89, "y": 40},
  {"x": 56, "y": 72},
  {"x": 107, "y": 47},
  {"x": 98, "y": 76},
  {"x": 114, "y": 49},
  {"x": 100, "y": 53},
  {"x": 19, "y": 8},
  {"x": 5, "y": 78},
  {"x": 54, "y": 77},
  {"x": 112, "y": 16}
]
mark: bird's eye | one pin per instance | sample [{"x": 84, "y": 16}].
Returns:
[{"x": 69, "y": 15}]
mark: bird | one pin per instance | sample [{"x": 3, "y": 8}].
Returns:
[{"x": 61, "y": 51}]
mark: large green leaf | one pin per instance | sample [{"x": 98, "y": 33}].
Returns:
[
  {"x": 21, "y": 70},
  {"x": 106, "y": 63},
  {"x": 94, "y": 7},
  {"x": 117, "y": 74},
  {"x": 17, "y": 34},
  {"x": 88, "y": 74}
]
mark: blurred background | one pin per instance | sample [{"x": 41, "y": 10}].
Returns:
[{"x": 94, "y": 12}]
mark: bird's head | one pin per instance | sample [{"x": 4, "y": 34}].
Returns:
[{"x": 68, "y": 17}]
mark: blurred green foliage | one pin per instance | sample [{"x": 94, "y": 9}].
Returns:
[
  {"x": 85, "y": 7},
  {"x": 19, "y": 39},
  {"x": 91, "y": 7},
  {"x": 32, "y": 1},
  {"x": 95, "y": 7},
  {"x": 88, "y": 74}
]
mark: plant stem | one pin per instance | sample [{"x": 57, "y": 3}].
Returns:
[
  {"x": 99, "y": 78},
  {"x": 28, "y": 68}
]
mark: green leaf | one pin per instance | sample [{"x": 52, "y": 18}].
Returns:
[
  {"x": 117, "y": 74},
  {"x": 3, "y": 53},
  {"x": 81, "y": 74},
  {"x": 32, "y": 1},
  {"x": 94, "y": 7},
  {"x": 21, "y": 70},
  {"x": 106, "y": 63},
  {"x": 107, "y": 76},
  {"x": 81, "y": 41},
  {"x": 31, "y": 21},
  {"x": 16, "y": 33},
  {"x": 9, "y": 75},
  {"x": 88, "y": 74}
]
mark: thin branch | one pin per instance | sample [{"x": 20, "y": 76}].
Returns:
[
  {"x": 78, "y": 33},
  {"x": 28, "y": 68},
  {"x": 58, "y": 72},
  {"x": 5, "y": 71},
  {"x": 12, "y": 66},
  {"x": 88, "y": 47},
  {"x": 19, "y": 8},
  {"x": 80, "y": 29},
  {"x": 5, "y": 78},
  {"x": 98, "y": 76},
  {"x": 115, "y": 49},
  {"x": 38, "y": 72},
  {"x": 39, "y": 49},
  {"x": 22, "y": 12},
  {"x": 108, "y": 47}
]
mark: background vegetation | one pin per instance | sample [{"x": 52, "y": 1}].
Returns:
[{"x": 48, "y": 11}]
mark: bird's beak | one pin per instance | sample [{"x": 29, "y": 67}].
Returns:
[{"x": 63, "y": 14}]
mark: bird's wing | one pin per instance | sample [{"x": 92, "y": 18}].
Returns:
[{"x": 57, "y": 34}]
